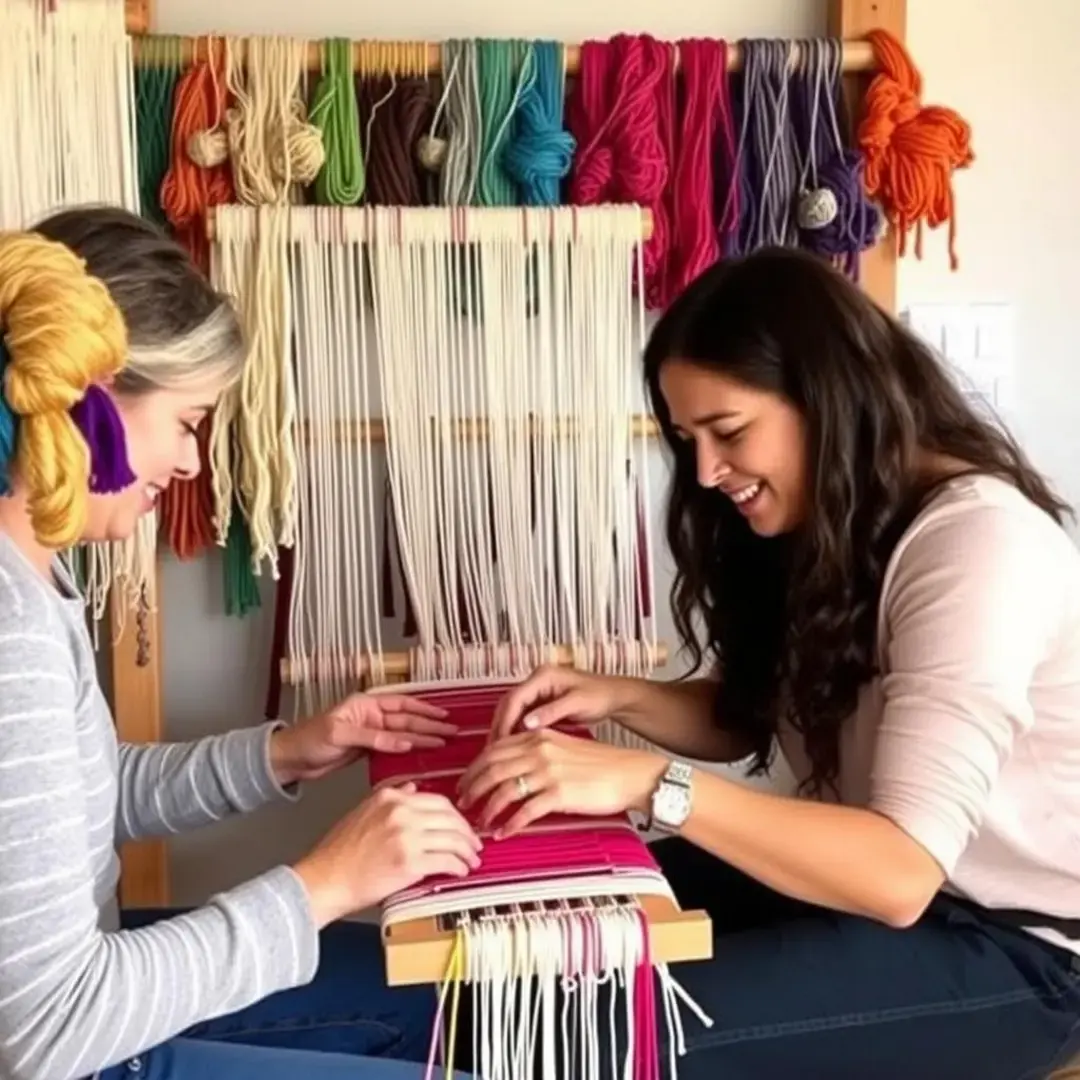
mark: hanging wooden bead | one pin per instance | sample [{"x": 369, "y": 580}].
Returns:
[{"x": 817, "y": 208}]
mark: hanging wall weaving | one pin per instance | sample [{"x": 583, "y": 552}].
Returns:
[{"x": 458, "y": 433}]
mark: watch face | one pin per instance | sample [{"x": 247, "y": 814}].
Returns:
[{"x": 672, "y": 804}]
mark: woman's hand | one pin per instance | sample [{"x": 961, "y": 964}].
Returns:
[
  {"x": 392, "y": 840},
  {"x": 552, "y": 694},
  {"x": 321, "y": 745},
  {"x": 548, "y": 772}
]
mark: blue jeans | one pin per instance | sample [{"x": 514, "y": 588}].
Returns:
[
  {"x": 798, "y": 991},
  {"x": 346, "y": 1024}
]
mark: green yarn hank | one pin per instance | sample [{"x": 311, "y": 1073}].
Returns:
[
  {"x": 241, "y": 589},
  {"x": 155, "y": 87},
  {"x": 334, "y": 111}
]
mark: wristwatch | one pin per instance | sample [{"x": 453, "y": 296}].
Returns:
[{"x": 671, "y": 799}]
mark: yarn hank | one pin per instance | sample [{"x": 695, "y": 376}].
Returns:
[
  {"x": 910, "y": 150},
  {"x": 9, "y": 426},
  {"x": 695, "y": 244},
  {"x": 63, "y": 334},
  {"x": 834, "y": 216},
  {"x": 539, "y": 153},
  {"x": 621, "y": 114},
  {"x": 97, "y": 419}
]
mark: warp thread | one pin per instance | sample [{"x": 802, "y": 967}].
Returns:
[
  {"x": 335, "y": 114},
  {"x": 694, "y": 240},
  {"x": 621, "y": 113},
  {"x": 539, "y": 152},
  {"x": 833, "y": 214},
  {"x": 910, "y": 150}
]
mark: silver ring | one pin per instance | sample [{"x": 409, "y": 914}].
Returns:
[{"x": 523, "y": 787}]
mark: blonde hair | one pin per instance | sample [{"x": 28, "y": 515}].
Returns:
[
  {"x": 95, "y": 293},
  {"x": 62, "y": 332}
]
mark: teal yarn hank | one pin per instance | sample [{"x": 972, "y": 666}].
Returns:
[
  {"x": 498, "y": 64},
  {"x": 9, "y": 427},
  {"x": 540, "y": 153}
]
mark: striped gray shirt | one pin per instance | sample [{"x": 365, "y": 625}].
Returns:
[{"x": 77, "y": 994}]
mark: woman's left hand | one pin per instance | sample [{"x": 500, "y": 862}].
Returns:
[
  {"x": 550, "y": 772},
  {"x": 320, "y": 745}
]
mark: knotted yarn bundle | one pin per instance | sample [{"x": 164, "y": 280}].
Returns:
[
  {"x": 63, "y": 338},
  {"x": 621, "y": 114},
  {"x": 911, "y": 150}
]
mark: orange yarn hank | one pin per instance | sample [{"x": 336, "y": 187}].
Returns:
[
  {"x": 910, "y": 150},
  {"x": 198, "y": 177}
]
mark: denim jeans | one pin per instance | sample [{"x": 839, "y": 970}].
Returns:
[
  {"x": 346, "y": 1024},
  {"x": 796, "y": 991}
]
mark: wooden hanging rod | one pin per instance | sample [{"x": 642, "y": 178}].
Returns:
[
  {"x": 410, "y": 57},
  {"x": 137, "y": 17},
  {"x": 398, "y": 665},
  {"x": 211, "y": 215},
  {"x": 464, "y": 427}
]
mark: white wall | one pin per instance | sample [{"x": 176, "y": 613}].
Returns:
[{"x": 992, "y": 59}]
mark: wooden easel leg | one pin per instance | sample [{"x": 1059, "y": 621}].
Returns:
[
  {"x": 136, "y": 694},
  {"x": 854, "y": 19}
]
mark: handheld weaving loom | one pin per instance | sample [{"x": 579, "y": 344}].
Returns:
[{"x": 570, "y": 903}]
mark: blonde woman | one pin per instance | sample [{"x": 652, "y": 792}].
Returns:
[{"x": 113, "y": 351}]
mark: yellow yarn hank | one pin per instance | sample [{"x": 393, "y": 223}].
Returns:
[{"x": 63, "y": 332}]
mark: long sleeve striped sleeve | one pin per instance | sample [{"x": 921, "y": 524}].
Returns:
[
  {"x": 76, "y": 993},
  {"x": 169, "y": 787}
]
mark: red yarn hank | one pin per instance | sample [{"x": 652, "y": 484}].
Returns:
[
  {"x": 695, "y": 244},
  {"x": 621, "y": 114},
  {"x": 910, "y": 150}
]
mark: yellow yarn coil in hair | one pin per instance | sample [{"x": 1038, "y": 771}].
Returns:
[{"x": 63, "y": 332}]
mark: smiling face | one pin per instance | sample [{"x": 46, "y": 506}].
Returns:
[
  {"x": 161, "y": 429},
  {"x": 749, "y": 444}
]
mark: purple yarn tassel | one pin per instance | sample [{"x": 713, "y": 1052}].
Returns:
[{"x": 96, "y": 417}]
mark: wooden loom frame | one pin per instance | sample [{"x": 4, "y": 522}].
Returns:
[{"x": 136, "y": 663}]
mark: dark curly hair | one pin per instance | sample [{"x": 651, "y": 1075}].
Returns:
[{"x": 791, "y": 620}]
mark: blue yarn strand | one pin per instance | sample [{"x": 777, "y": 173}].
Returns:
[
  {"x": 539, "y": 153},
  {"x": 9, "y": 427}
]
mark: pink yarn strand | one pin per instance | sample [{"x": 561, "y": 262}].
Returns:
[
  {"x": 695, "y": 243},
  {"x": 621, "y": 115}
]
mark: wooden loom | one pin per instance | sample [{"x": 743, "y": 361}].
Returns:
[{"x": 420, "y": 949}]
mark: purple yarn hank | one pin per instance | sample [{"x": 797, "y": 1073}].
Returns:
[
  {"x": 818, "y": 89},
  {"x": 100, "y": 424}
]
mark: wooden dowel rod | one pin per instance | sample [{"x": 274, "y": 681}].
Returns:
[
  {"x": 408, "y": 58},
  {"x": 137, "y": 18},
  {"x": 462, "y": 427},
  {"x": 211, "y": 214},
  {"x": 398, "y": 665}
]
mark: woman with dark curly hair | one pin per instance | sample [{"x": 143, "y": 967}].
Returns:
[{"x": 883, "y": 588}]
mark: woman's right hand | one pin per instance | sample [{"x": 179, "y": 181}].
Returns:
[
  {"x": 392, "y": 840},
  {"x": 552, "y": 694}
]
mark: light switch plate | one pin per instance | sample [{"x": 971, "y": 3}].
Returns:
[{"x": 977, "y": 342}]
